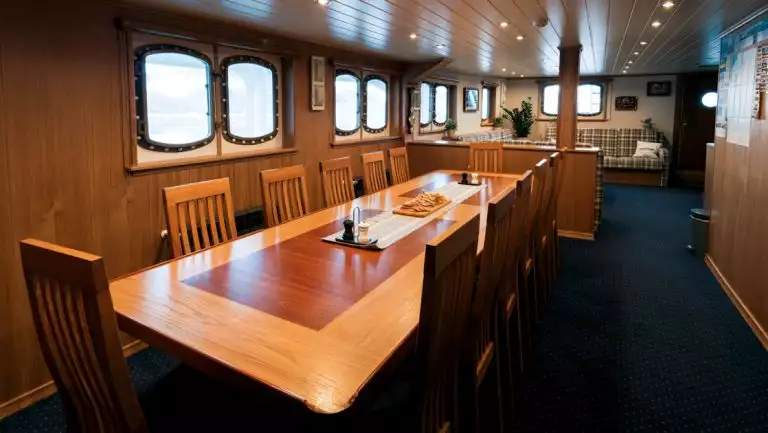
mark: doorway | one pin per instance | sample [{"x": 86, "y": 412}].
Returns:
[{"x": 694, "y": 126}]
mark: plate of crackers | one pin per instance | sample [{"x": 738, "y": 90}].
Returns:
[{"x": 424, "y": 204}]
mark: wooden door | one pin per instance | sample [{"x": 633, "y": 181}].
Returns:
[{"x": 695, "y": 125}]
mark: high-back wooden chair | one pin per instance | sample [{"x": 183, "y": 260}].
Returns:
[
  {"x": 533, "y": 237},
  {"x": 374, "y": 172},
  {"x": 449, "y": 277},
  {"x": 483, "y": 368},
  {"x": 337, "y": 181},
  {"x": 558, "y": 159},
  {"x": 284, "y": 191},
  {"x": 523, "y": 208},
  {"x": 486, "y": 157},
  {"x": 398, "y": 165},
  {"x": 199, "y": 215},
  {"x": 76, "y": 326}
]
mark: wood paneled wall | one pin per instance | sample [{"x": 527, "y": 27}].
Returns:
[
  {"x": 737, "y": 195},
  {"x": 62, "y": 150},
  {"x": 576, "y": 205}
]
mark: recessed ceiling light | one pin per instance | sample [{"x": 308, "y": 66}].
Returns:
[
  {"x": 656, "y": 24},
  {"x": 503, "y": 69},
  {"x": 513, "y": 72},
  {"x": 522, "y": 76},
  {"x": 668, "y": 5},
  {"x": 322, "y": 2},
  {"x": 637, "y": 53},
  {"x": 630, "y": 62},
  {"x": 520, "y": 37},
  {"x": 643, "y": 43},
  {"x": 413, "y": 36},
  {"x": 503, "y": 24},
  {"x": 624, "y": 71},
  {"x": 439, "y": 46}
]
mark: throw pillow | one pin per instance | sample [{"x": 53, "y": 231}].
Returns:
[{"x": 647, "y": 149}]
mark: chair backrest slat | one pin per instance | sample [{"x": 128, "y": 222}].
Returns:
[
  {"x": 374, "y": 172},
  {"x": 486, "y": 157},
  {"x": 192, "y": 222},
  {"x": 533, "y": 223},
  {"x": 75, "y": 322},
  {"x": 398, "y": 165},
  {"x": 449, "y": 277},
  {"x": 284, "y": 192},
  {"x": 337, "y": 181}
]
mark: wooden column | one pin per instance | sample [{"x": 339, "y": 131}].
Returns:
[{"x": 569, "y": 84}]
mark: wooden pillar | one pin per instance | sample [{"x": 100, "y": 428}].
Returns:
[{"x": 569, "y": 85}]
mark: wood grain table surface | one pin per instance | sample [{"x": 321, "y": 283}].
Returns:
[{"x": 311, "y": 319}]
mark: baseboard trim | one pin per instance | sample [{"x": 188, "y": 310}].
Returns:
[
  {"x": 576, "y": 235},
  {"x": 760, "y": 333},
  {"x": 49, "y": 388}
]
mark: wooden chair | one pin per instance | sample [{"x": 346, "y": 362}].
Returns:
[
  {"x": 528, "y": 282},
  {"x": 540, "y": 245},
  {"x": 374, "y": 172},
  {"x": 449, "y": 278},
  {"x": 75, "y": 322},
  {"x": 284, "y": 191},
  {"x": 398, "y": 165},
  {"x": 202, "y": 211},
  {"x": 559, "y": 162},
  {"x": 511, "y": 312},
  {"x": 486, "y": 157},
  {"x": 336, "y": 176},
  {"x": 551, "y": 240},
  {"x": 489, "y": 362}
]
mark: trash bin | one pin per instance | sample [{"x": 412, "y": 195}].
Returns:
[{"x": 699, "y": 232}]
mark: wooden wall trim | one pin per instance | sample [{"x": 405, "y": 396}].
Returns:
[
  {"x": 49, "y": 388},
  {"x": 745, "y": 312}
]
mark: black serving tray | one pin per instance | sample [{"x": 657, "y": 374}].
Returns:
[{"x": 356, "y": 241}]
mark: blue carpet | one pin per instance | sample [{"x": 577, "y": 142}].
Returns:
[{"x": 639, "y": 337}]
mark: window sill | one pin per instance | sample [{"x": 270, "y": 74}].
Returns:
[
  {"x": 367, "y": 141},
  {"x": 578, "y": 119},
  {"x": 208, "y": 160}
]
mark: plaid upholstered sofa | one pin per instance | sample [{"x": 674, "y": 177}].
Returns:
[
  {"x": 618, "y": 146},
  {"x": 489, "y": 135}
]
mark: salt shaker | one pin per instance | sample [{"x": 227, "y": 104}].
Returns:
[
  {"x": 362, "y": 230},
  {"x": 474, "y": 177}
]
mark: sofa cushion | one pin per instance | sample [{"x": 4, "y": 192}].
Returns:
[
  {"x": 604, "y": 138},
  {"x": 630, "y": 162},
  {"x": 628, "y": 138},
  {"x": 647, "y": 149}
]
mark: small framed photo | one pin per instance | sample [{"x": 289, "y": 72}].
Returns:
[
  {"x": 659, "y": 88},
  {"x": 626, "y": 103},
  {"x": 471, "y": 99}
]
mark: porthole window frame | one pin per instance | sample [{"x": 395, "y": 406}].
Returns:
[
  {"x": 364, "y": 97},
  {"x": 224, "y": 65},
  {"x": 600, "y": 84},
  {"x": 434, "y": 104},
  {"x": 430, "y": 86},
  {"x": 341, "y": 132},
  {"x": 140, "y": 86}
]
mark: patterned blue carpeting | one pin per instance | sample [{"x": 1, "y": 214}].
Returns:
[{"x": 639, "y": 337}]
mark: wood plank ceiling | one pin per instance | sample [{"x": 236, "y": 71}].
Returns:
[{"x": 498, "y": 37}]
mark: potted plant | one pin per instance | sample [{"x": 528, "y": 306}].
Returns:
[
  {"x": 647, "y": 124},
  {"x": 521, "y": 118},
  {"x": 498, "y": 122},
  {"x": 450, "y": 128}
]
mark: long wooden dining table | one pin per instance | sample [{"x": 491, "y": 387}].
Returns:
[{"x": 313, "y": 320}]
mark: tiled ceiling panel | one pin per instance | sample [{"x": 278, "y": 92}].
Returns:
[{"x": 499, "y": 37}]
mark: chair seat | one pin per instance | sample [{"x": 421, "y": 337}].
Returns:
[{"x": 630, "y": 162}]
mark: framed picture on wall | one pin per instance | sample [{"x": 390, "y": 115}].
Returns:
[
  {"x": 626, "y": 103},
  {"x": 659, "y": 88},
  {"x": 471, "y": 99}
]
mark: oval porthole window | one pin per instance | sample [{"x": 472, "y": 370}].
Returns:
[{"x": 709, "y": 99}]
